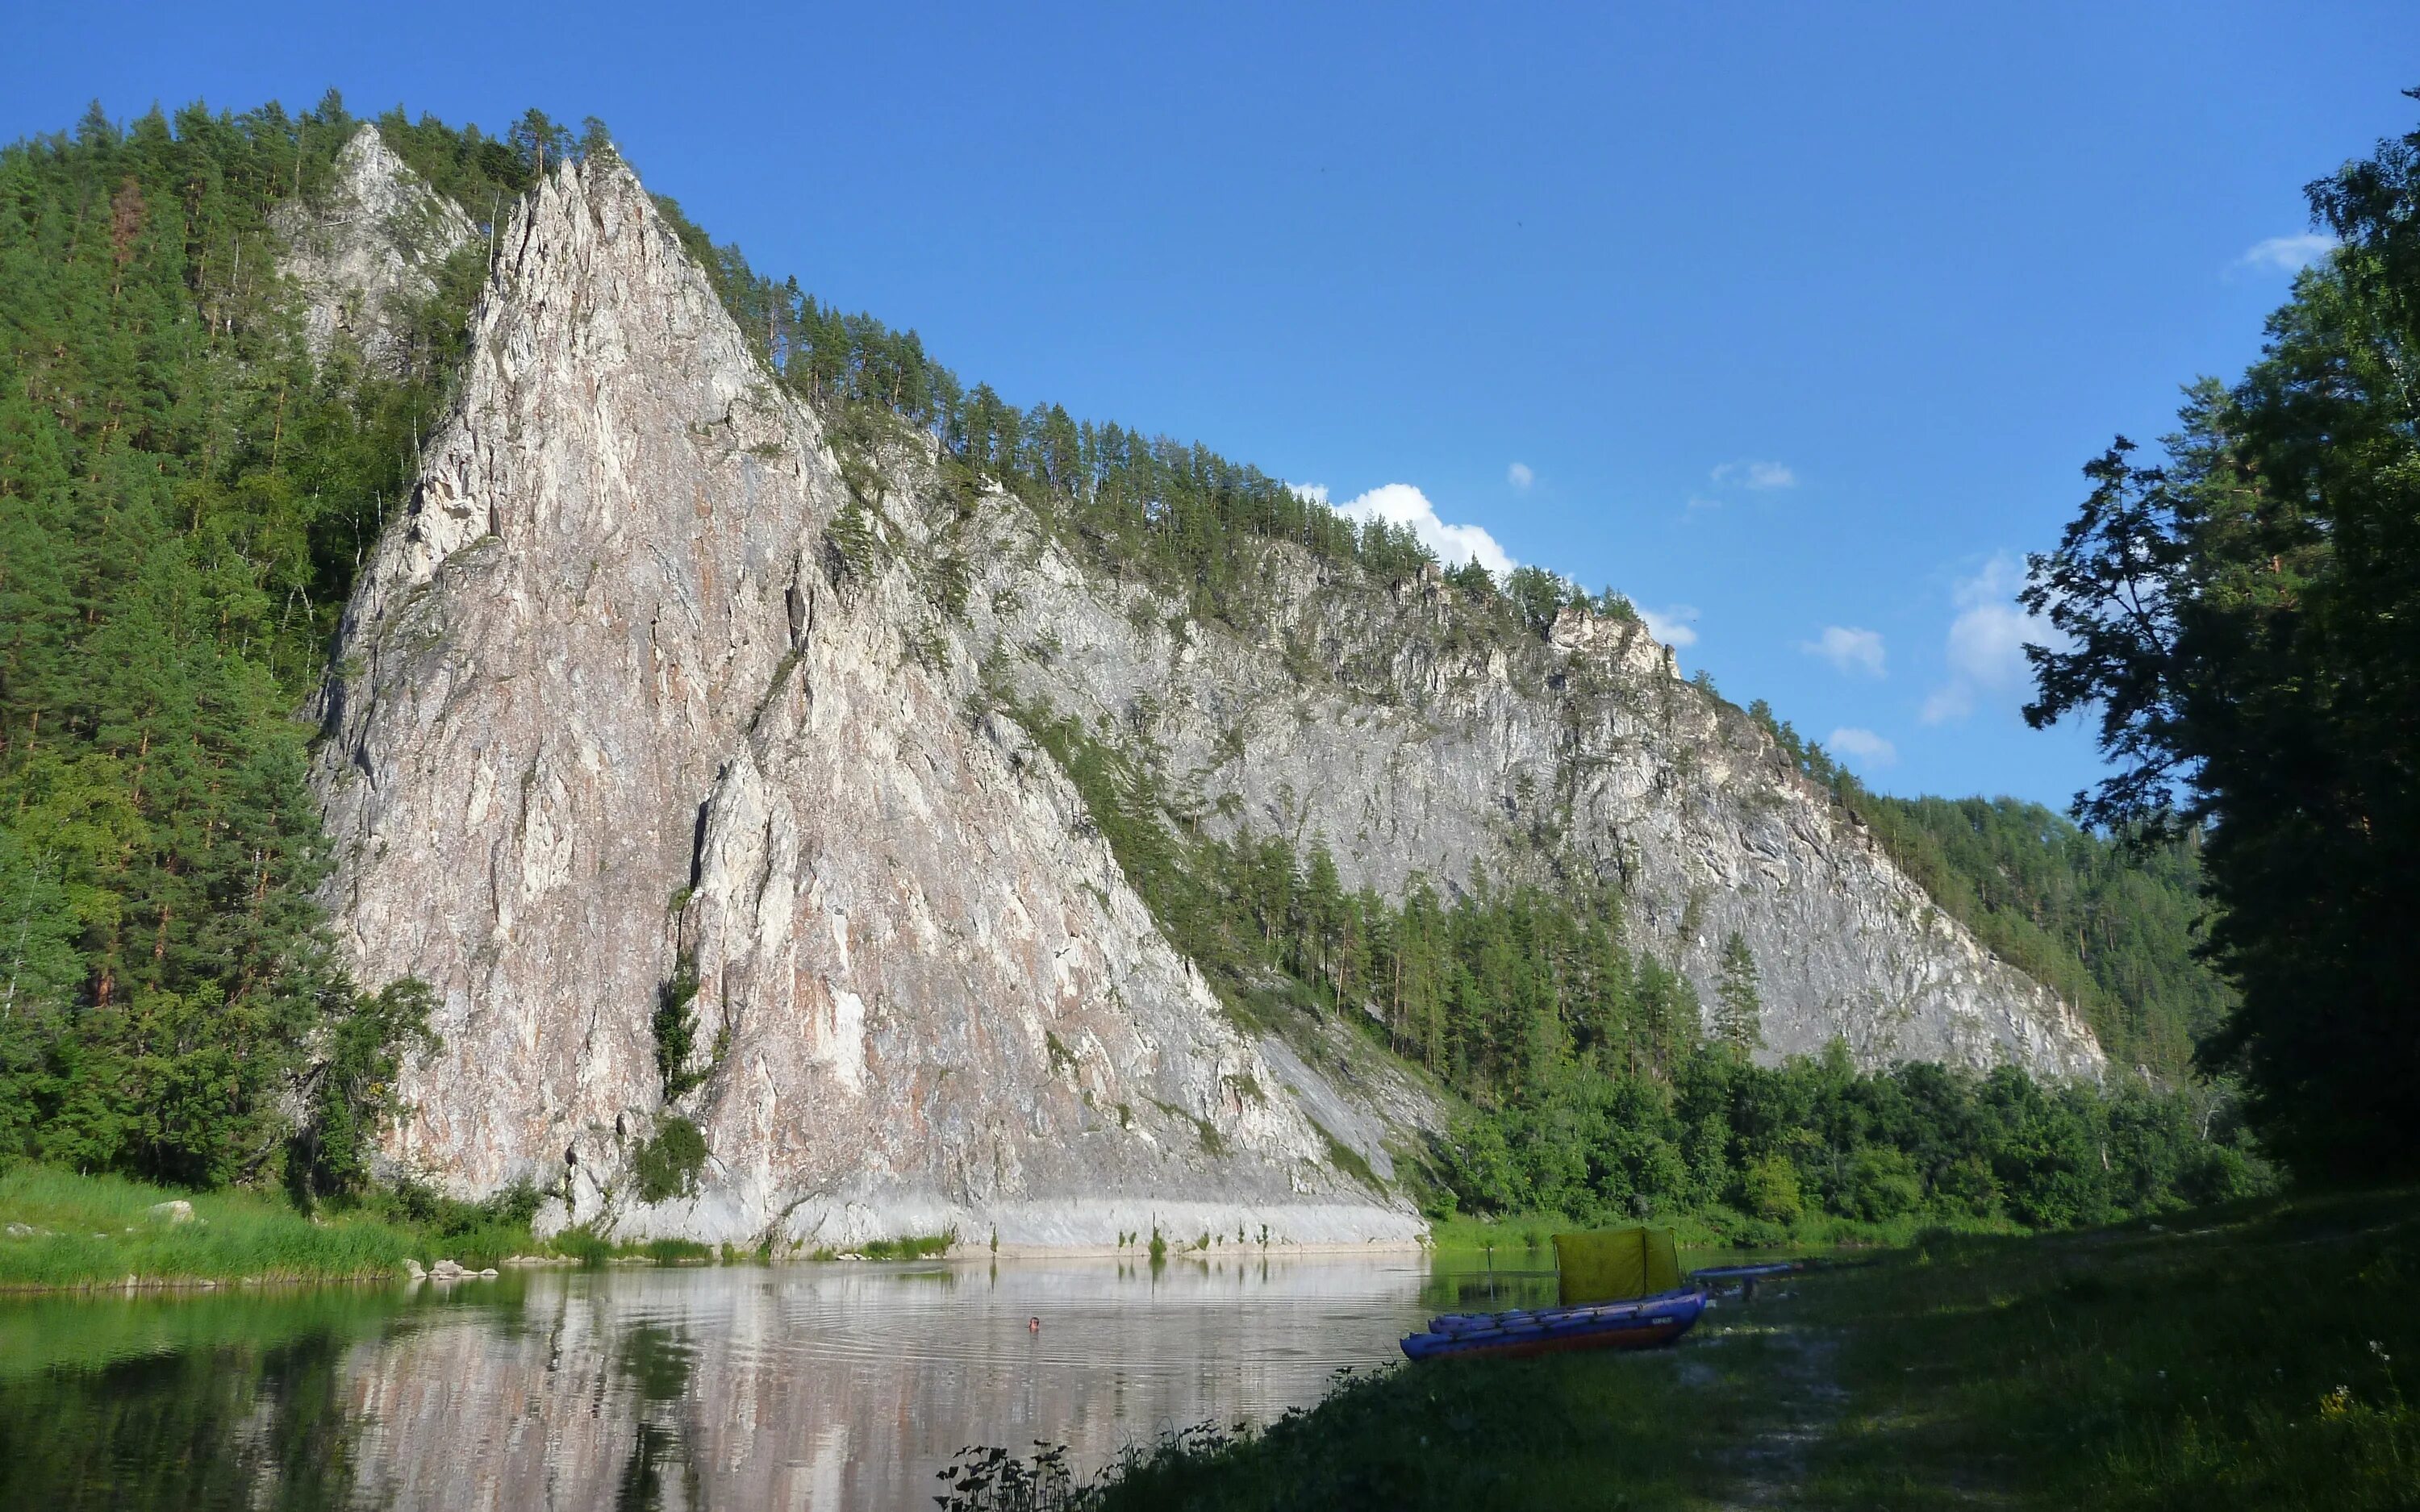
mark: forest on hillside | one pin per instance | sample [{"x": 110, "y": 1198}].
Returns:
[{"x": 185, "y": 495}]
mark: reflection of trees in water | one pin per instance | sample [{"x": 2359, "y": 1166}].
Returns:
[
  {"x": 227, "y": 1425},
  {"x": 656, "y": 1362}
]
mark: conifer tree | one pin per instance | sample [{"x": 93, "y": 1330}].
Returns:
[{"x": 1739, "y": 1011}]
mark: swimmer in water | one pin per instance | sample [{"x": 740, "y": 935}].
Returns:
[{"x": 1033, "y": 1326}]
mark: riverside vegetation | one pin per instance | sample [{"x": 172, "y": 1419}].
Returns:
[{"x": 70, "y": 1231}]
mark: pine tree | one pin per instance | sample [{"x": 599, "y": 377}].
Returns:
[{"x": 1739, "y": 1012}]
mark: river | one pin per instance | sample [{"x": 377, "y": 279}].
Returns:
[{"x": 806, "y": 1386}]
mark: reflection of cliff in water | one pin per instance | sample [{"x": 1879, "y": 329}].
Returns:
[
  {"x": 801, "y": 1386},
  {"x": 816, "y": 1386}
]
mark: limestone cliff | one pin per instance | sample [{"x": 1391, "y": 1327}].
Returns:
[
  {"x": 612, "y": 730},
  {"x": 1361, "y": 718},
  {"x": 664, "y": 744},
  {"x": 362, "y": 254}
]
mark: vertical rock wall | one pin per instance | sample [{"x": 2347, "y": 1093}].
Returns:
[
  {"x": 625, "y": 737},
  {"x": 609, "y": 719}
]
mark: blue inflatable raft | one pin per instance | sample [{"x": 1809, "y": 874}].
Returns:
[
  {"x": 1634, "y": 1323},
  {"x": 1748, "y": 1272}
]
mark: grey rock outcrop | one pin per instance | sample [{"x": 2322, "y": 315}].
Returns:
[
  {"x": 1364, "y": 721},
  {"x": 614, "y": 733},
  {"x": 367, "y": 251}
]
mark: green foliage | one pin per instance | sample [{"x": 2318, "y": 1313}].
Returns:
[
  {"x": 1739, "y": 1010},
  {"x": 476, "y": 1234},
  {"x": 351, "y": 1088},
  {"x": 586, "y": 1245},
  {"x": 910, "y": 1246},
  {"x": 667, "y": 1165},
  {"x": 1768, "y": 1187},
  {"x": 2239, "y": 623},
  {"x": 96, "y": 1231},
  {"x": 183, "y": 497},
  {"x": 2132, "y": 1369},
  {"x": 675, "y": 1035},
  {"x": 1813, "y": 1140}
]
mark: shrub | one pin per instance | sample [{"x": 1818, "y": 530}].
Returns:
[
  {"x": 1882, "y": 1184},
  {"x": 1769, "y": 1188},
  {"x": 666, "y": 1167}
]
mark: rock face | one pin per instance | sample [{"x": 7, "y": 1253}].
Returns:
[
  {"x": 617, "y": 738},
  {"x": 368, "y": 252},
  {"x": 654, "y": 747},
  {"x": 1360, "y": 720}
]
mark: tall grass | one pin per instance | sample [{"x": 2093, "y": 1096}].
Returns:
[
  {"x": 58, "y": 1229},
  {"x": 2258, "y": 1355},
  {"x": 88, "y": 1231}
]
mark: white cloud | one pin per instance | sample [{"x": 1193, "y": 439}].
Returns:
[
  {"x": 1670, "y": 624},
  {"x": 1948, "y": 703},
  {"x": 1519, "y": 475},
  {"x": 1315, "y": 492},
  {"x": 1757, "y": 474},
  {"x": 1865, "y": 745},
  {"x": 1986, "y": 648},
  {"x": 1400, "y": 503},
  {"x": 1696, "y": 504},
  {"x": 1849, "y": 649},
  {"x": 2288, "y": 255}
]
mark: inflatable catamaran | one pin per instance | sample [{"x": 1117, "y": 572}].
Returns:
[{"x": 1620, "y": 1289}]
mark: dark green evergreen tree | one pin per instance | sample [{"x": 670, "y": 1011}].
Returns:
[
  {"x": 1739, "y": 1011},
  {"x": 2241, "y": 623}
]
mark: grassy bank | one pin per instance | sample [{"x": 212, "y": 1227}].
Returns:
[
  {"x": 59, "y": 1229},
  {"x": 2246, "y": 1356}
]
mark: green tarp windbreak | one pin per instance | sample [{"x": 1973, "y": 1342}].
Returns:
[{"x": 1615, "y": 1263}]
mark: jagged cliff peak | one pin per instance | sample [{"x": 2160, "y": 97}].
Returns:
[
  {"x": 685, "y": 821},
  {"x": 368, "y": 249}
]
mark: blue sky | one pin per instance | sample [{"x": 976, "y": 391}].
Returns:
[{"x": 1794, "y": 323}]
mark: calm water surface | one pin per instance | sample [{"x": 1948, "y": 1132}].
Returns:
[{"x": 805, "y": 1386}]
